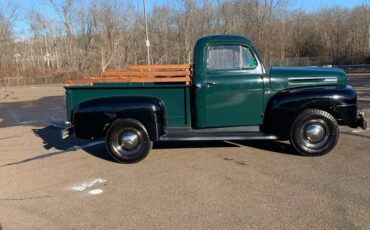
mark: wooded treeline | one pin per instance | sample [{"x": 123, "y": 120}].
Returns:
[{"x": 90, "y": 36}]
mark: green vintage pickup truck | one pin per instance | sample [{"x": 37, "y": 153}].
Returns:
[{"x": 230, "y": 96}]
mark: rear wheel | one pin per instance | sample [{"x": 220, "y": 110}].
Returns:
[
  {"x": 314, "y": 132},
  {"x": 128, "y": 141}
]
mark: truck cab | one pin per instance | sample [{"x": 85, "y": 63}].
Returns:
[
  {"x": 230, "y": 96},
  {"x": 229, "y": 81}
]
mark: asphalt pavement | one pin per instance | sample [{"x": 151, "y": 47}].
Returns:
[{"x": 49, "y": 183}]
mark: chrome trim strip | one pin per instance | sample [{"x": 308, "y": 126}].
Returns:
[{"x": 297, "y": 80}]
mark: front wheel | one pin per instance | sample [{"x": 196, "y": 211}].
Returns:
[
  {"x": 314, "y": 132},
  {"x": 128, "y": 141}
]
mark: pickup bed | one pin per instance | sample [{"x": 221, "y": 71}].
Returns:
[{"x": 227, "y": 94}]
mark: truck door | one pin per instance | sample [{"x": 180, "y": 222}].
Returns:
[{"x": 233, "y": 86}]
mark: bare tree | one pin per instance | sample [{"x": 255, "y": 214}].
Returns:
[{"x": 70, "y": 38}]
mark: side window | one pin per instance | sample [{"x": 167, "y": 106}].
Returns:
[
  {"x": 249, "y": 62},
  {"x": 230, "y": 57}
]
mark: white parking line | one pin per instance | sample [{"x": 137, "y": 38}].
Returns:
[
  {"x": 89, "y": 184},
  {"x": 96, "y": 191},
  {"x": 27, "y": 122},
  {"x": 359, "y": 130}
]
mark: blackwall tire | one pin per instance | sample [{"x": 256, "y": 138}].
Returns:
[
  {"x": 314, "y": 132},
  {"x": 128, "y": 141}
]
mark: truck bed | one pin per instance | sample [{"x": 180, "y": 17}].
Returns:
[
  {"x": 174, "y": 96},
  {"x": 168, "y": 83}
]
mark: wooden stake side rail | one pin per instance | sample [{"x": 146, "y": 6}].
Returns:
[
  {"x": 141, "y": 74},
  {"x": 158, "y": 67}
]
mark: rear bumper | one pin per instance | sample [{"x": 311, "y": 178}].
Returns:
[{"x": 67, "y": 131}]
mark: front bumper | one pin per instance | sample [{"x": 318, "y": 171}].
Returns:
[
  {"x": 349, "y": 115},
  {"x": 361, "y": 122}
]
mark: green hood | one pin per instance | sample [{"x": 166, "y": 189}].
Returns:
[{"x": 292, "y": 77}]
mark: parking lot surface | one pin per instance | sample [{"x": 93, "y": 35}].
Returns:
[{"x": 49, "y": 183}]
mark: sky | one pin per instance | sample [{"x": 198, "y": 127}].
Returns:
[
  {"x": 307, "y": 5},
  {"x": 312, "y": 5}
]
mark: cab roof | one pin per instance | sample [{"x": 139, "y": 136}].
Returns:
[{"x": 224, "y": 38}]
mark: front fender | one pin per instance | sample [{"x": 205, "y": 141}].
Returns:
[
  {"x": 92, "y": 118},
  {"x": 283, "y": 107}
]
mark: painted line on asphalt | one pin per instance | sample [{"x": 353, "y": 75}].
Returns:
[
  {"x": 96, "y": 191},
  {"x": 359, "y": 130},
  {"x": 27, "y": 122},
  {"x": 82, "y": 187}
]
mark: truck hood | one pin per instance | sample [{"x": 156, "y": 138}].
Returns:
[{"x": 292, "y": 77}]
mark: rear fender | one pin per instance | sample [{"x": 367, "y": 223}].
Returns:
[{"x": 91, "y": 119}]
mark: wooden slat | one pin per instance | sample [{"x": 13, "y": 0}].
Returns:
[
  {"x": 171, "y": 79},
  {"x": 138, "y": 67},
  {"x": 122, "y": 80},
  {"x": 129, "y": 79},
  {"x": 146, "y": 73}
]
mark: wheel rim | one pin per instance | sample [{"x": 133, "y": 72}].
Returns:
[
  {"x": 314, "y": 135},
  {"x": 127, "y": 142},
  {"x": 314, "y": 132}
]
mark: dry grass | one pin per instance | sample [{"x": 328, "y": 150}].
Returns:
[{"x": 38, "y": 80}]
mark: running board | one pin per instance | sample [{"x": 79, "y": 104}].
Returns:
[
  {"x": 213, "y": 130},
  {"x": 221, "y": 136}
]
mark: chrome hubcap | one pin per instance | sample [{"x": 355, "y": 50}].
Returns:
[
  {"x": 129, "y": 140},
  {"x": 315, "y": 133}
]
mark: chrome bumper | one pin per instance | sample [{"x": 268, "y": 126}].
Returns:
[
  {"x": 67, "y": 131},
  {"x": 361, "y": 122}
]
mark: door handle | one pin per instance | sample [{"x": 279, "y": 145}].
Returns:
[{"x": 211, "y": 83}]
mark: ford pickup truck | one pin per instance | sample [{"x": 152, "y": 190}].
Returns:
[{"x": 227, "y": 94}]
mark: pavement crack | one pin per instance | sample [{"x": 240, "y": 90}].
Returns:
[
  {"x": 24, "y": 198},
  {"x": 46, "y": 155},
  {"x": 34, "y": 158},
  {"x": 355, "y": 134},
  {"x": 235, "y": 161},
  {"x": 10, "y": 137},
  {"x": 14, "y": 136}
]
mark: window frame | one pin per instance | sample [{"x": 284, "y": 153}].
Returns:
[{"x": 238, "y": 69}]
